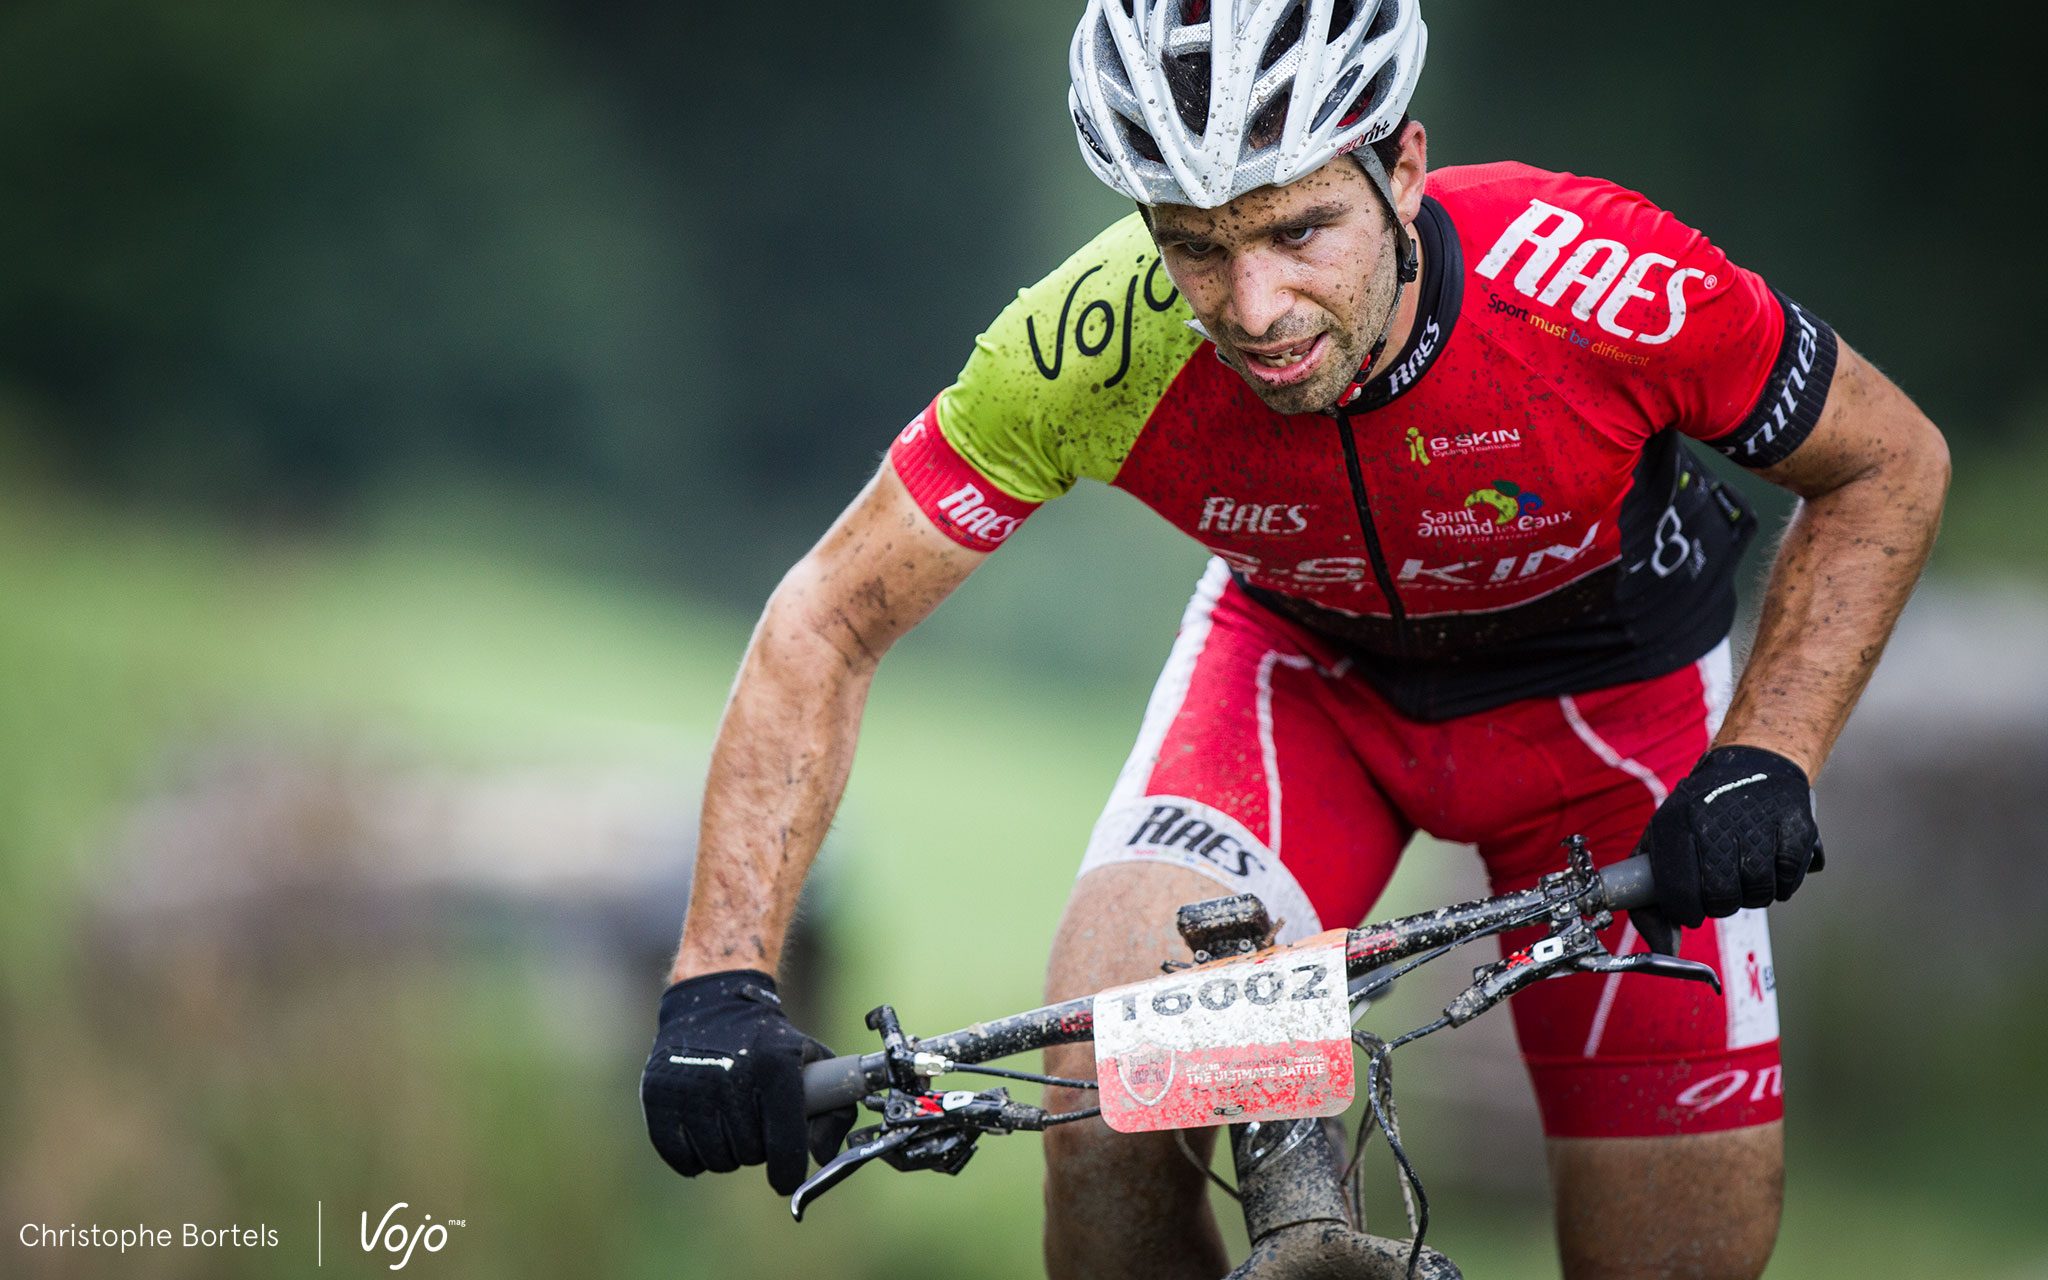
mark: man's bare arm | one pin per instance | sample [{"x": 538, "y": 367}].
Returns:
[
  {"x": 1873, "y": 476},
  {"x": 785, "y": 744}
]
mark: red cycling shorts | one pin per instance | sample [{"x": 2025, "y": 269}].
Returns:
[{"x": 1265, "y": 765}]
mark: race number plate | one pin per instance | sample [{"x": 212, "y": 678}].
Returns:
[{"x": 1264, "y": 1038}]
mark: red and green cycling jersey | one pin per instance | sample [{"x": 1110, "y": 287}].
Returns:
[{"x": 1507, "y": 511}]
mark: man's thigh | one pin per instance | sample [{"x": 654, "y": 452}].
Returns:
[
  {"x": 1241, "y": 781},
  {"x": 1661, "y": 1099},
  {"x": 1246, "y": 771}
]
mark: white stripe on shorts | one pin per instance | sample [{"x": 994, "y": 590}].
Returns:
[
  {"x": 1717, "y": 684},
  {"x": 1137, "y": 826}
]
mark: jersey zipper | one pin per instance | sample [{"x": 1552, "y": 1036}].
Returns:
[{"x": 1363, "y": 504}]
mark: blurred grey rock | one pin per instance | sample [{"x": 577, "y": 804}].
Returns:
[
  {"x": 1932, "y": 805},
  {"x": 274, "y": 852}
]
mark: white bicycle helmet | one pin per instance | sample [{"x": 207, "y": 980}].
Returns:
[{"x": 1198, "y": 101}]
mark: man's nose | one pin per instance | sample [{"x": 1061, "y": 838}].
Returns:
[{"x": 1259, "y": 294}]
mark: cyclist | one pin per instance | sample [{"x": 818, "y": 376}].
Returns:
[{"x": 1470, "y": 577}]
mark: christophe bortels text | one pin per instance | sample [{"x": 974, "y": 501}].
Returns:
[{"x": 190, "y": 1235}]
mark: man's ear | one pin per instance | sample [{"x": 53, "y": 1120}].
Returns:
[{"x": 1410, "y": 174}]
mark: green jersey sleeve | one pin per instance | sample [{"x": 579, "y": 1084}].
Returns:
[{"x": 1062, "y": 383}]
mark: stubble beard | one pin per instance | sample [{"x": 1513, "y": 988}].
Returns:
[{"x": 1349, "y": 346}]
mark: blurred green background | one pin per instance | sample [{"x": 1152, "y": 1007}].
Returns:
[{"x": 404, "y": 407}]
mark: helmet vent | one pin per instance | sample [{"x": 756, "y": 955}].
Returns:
[
  {"x": 1087, "y": 132},
  {"x": 1285, "y": 36},
  {"x": 1382, "y": 21},
  {"x": 1188, "y": 78},
  {"x": 1266, "y": 126},
  {"x": 1337, "y": 98},
  {"x": 1140, "y": 141}
]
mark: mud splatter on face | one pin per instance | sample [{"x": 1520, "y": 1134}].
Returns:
[{"x": 1300, "y": 277}]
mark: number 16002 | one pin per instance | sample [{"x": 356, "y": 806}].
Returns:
[{"x": 1267, "y": 987}]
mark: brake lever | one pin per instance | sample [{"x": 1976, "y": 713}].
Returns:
[
  {"x": 1652, "y": 963},
  {"x": 844, "y": 1165}
]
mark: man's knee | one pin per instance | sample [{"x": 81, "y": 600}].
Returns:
[{"x": 1703, "y": 1207}]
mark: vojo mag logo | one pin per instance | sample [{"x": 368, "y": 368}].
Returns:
[{"x": 397, "y": 1235}]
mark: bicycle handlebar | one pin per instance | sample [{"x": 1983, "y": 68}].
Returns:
[
  {"x": 1628, "y": 883},
  {"x": 835, "y": 1083}
]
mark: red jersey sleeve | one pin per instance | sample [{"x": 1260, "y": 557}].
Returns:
[
  {"x": 1750, "y": 369},
  {"x": 1727, "y": 359},
  {"x": 964, "y": 504},
  {"x": 1693, "y": 340}
]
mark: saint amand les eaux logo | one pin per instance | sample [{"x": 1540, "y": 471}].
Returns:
[{"x": 1506, "y": 499}]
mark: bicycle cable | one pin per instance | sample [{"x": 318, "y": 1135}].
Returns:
[
  {"x": 1380, "y": 1099},
  {"x": 1409, "y": 966},
  {"x": 1180, "y": 1139},
  {"x": 1029, "y": 1077}
]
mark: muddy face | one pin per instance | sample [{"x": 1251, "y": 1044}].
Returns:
[{"x": 1293, "y": 283}]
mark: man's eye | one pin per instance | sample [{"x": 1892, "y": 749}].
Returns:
[
  {"x": 1196, "y": 248},
  {"x": 1295, "y": 237}
]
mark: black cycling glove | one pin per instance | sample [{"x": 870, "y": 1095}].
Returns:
[
  {"x": 724, "y": 1085},
  {"x": 1737, "y": 832}
]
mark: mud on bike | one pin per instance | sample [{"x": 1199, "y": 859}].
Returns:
[{"x": 1248, "y": 1034}]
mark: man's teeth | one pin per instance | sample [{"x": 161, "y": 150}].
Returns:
[{"x": 1285, "y": 359}]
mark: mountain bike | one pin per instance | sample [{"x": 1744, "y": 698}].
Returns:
[{"x": 1247, "y": 1034}]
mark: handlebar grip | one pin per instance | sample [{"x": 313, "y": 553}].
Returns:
[
  {"x": 1628, "y": 883},
  {"x": 834, "y": 1083}
]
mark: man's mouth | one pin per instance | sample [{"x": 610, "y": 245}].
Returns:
[{"x": 1280, "y": 366}]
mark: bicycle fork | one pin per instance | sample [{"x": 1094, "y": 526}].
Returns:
[{"x": 1290, "y": 1179}]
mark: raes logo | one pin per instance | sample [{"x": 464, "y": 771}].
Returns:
[
  {"x": 1604, "y": 276},
  {"x": 1229, "y": 515},
  {"x": 398, "y": 1234}
]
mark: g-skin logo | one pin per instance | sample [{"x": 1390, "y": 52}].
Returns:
[
  {"x": 398, "y": 1238},
  {"x": 1228, "y": 515},
  {"x": 1099, "y": 321},
  {"x": 968, "y": 508},
  {"x": 1418, "y": 448},
  {"x": 1606, "y": 274},
  {"x": 1760, "y": 978},
  {"x": 1424, "y": 449}
]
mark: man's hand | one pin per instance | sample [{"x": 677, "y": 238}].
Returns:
[
  {"x": 724, "y": 1085},
  {"x": 1737, "y": 832}
]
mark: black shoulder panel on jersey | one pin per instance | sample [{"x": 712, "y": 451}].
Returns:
[{"x": 1793, "y": 395}]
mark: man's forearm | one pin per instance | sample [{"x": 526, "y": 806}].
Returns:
[
  {"x": 778, "y": 769},
  {"x": 1847, "y": 564}
]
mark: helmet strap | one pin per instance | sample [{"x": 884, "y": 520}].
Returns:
[{"x": 1405, "y": 271}]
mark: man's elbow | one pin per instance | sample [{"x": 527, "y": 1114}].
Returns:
[
  {"x": 1925, "y": 468},
  {"x": 808, "y": 619}
]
